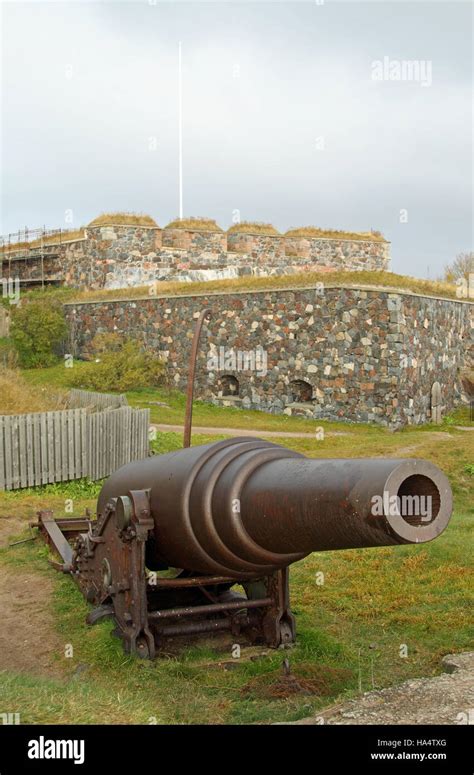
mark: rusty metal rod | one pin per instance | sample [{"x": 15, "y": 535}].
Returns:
[
  {"x": 195, "y": 627},
  {"x": 195, "y": 581},
  {"x": 188, "y": 417},
  {"x": 23, "y": 541},
  {"x": 171, "y": 613}
]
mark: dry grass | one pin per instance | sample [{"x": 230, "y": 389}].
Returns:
[
  {"x": 52, "y": 239},
  {"x": 198, "y": 223},
  {"x": 279, "y": 282},
  {"x": 254, "y": 227},
  {"x": 314, "y": 231},
  {"x": 17, "y": 396},
  {"x": 123, "y": 219}
]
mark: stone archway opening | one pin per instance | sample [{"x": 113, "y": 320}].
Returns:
[
  {"x": 229, "y": 386},
  {"x": 301, "y": 392}
]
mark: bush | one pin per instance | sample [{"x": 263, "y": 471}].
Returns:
[
  {"x": 38, "y": 329},
  {"x": 103, "y": 343},
  {"x": 119, "y": 369}
]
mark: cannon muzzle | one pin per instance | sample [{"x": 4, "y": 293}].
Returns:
[{"x": 244, "y": 506}]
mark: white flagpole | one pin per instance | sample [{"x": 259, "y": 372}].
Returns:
[{"x": 180, "y": 131}]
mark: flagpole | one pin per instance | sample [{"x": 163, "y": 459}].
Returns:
[{"x": 180, "y": 131}]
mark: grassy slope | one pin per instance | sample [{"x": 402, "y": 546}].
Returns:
[
  {"x": 372, "y": 601},
  {"x": 242, "y": 284}
]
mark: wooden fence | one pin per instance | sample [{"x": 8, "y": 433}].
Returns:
[
  {"x": 86, "y": 399},
  {"x": 48, "y": 447}
]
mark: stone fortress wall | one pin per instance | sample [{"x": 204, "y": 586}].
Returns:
[
  {"x": 338, "y": 353},
  {"x": 119, "y": 256},
  {"x": 328, "y": 351}
]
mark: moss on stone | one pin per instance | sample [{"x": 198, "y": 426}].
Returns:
[
  {"x": 123, "y": 219},
  {"x": 254, "y": 227},
  {"x": 313, "y": 231},
  {"x": 198, "y": 224}
]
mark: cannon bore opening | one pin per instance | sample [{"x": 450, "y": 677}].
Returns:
[{"x": 419, "y": 500}]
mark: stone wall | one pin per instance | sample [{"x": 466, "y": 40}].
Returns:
[
  {"x": 123, "y": 256},
  {"x": 51, "y": 262},
  {"x": 363, "y": 354},
  {"x": 105, "y": 249},
  {"x": 258, "y": 247},
  {"x": 195, "y": 240},
  {"x": 339, "y": 253}
]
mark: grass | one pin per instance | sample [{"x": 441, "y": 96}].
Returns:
[
  {"x": 123, "y": 219},
  {"x": 254, "y": 227},
  {"x": 383, "y": 280},
  {"x": 172, "y": 413},
  {"x": 198, "y": 223},
  {"x": 207, "y": 415},
  {"x": 349, "y": 628},
  {"x": 314, "y": 231},
  {"x": 17, "y": 397}
]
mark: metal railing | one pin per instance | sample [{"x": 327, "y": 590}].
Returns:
[{"x": 26, "y": 242}]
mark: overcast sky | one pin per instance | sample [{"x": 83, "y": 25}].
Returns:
[{"x": 283, "y": 120}]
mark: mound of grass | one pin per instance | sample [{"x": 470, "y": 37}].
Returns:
[
  {"x": 198, "y": 223},
  {"x": 249, "y": 283},
  {"x": 17, "y": 396},
  {"x": 314, "y": 231},
  {"x": 123, "y": 219},
  {"x": 254, "y": 227}
]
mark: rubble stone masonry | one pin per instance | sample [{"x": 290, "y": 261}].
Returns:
[
  {"x": 123, "y": 256},
  {"x": 328, "y": 352}
]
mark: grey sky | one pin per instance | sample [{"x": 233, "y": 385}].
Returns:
[{"x": 87, "y": 86}]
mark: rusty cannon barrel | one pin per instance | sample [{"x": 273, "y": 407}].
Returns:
[{"x": 245, "y": 506}]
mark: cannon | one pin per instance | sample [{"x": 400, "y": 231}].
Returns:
[{"x": 175, "y": 533}]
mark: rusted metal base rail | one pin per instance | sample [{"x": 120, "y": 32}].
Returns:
[
  {"x": 212, "y": 608},
  {"x": 260, "y": 618},
  {"x": 194, "y": 581}
]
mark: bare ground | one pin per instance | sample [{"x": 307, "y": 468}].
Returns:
[
  {"x": 28, "y": 640},
  {"x": 445, "y": 699}
]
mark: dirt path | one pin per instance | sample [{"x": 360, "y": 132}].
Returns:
[
  {"x": 206, "y": 431},
  {"x": 28, "y": 640},
  {"x": 209, "y": 431},
  {"x": 445, "y": 699}
]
